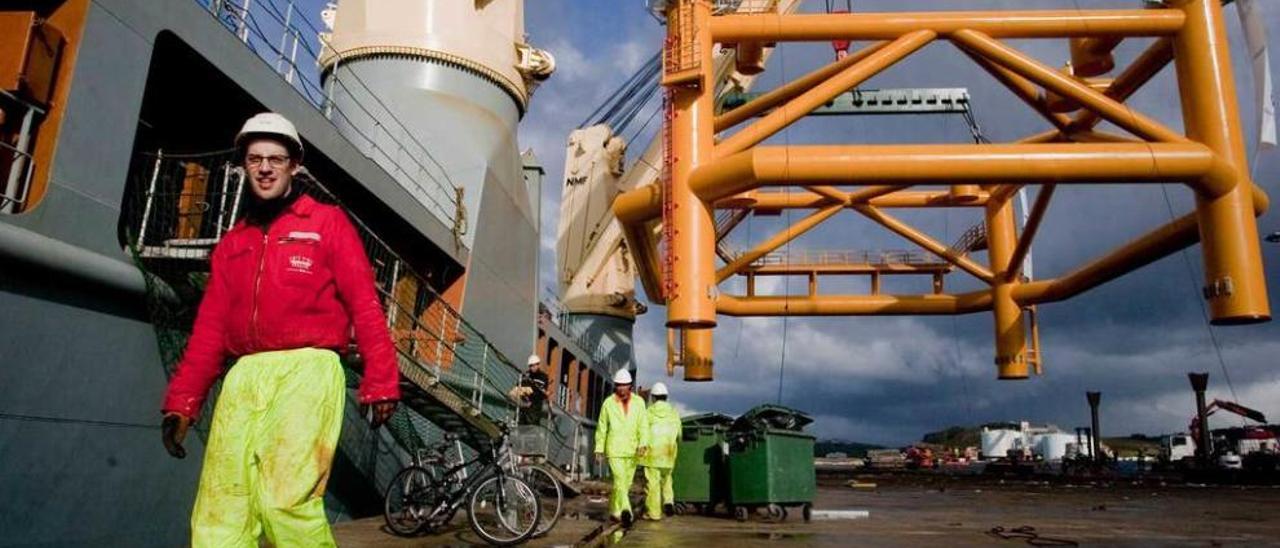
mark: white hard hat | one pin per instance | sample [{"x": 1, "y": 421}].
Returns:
[
  {"x": 273, "y": 125},
  {"x": 659, "y": 389},
  {"x": 533, "y": 360},
  {"x": 622, "y": 377}
]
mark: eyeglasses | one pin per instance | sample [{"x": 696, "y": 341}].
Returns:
[{"x": 254, "y": 160}]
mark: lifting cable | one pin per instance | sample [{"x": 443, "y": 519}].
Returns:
[
  {"x": 1204, "y": 312},
  {"x": 956, "y": 355},
  {"x": 622, "y": 104},
  {"x": 786, "y": 279}
]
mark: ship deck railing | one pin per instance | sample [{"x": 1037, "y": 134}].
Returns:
[{"x": 290, "y": 42}]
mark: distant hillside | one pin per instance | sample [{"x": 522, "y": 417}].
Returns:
[
  {"x": 954, "y": 436},
  {"x": 850, "y": 448}
]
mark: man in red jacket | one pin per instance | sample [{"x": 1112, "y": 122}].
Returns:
[{"x": 287, "y": 285}]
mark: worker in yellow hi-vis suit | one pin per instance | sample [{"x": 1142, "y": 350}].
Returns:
[
  {"x": 664, "y": 435},
  {"x": 622, "y": 434}
]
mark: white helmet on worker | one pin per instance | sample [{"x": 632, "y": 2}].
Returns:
[
  {"x": 622, "y": 377},
  {"x": 659, "y": 389},
  {"x": 533, "y": 360},
  {"x": 272, "y": 126}
]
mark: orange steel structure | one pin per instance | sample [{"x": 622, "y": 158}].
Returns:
[{"x": 704, "y": 173}]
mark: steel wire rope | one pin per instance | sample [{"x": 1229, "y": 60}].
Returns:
[
  {"x": 786, "y": 283},
  {"x": 637, "y": 102},
  {"x": 611, "y": 99},
  {"x": 1204, "y": 312},
  {"x": 956, "y": 355},
  {"x": 637, "y": 92},
  {"x": 627, "y": 89}
]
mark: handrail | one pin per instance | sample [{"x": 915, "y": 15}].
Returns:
[{"x": 243, "y": 21}]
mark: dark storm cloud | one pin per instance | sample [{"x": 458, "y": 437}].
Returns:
[{"x": 889, "y": 380}]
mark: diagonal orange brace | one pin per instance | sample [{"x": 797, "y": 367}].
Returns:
[
  {"x": 923, "y": 240},
  {"x": 791, "y": 89},
  {"x": 820, "y": 94},
  {"x": 1066, "y": 86},
  {"x": 1023, "y": 89},
  {"x": 1029, "y": 232},
  {"x": 1148, "y": 64},
  {"x": 777, "y": 240}
]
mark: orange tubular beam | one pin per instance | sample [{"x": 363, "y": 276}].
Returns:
[
  {"x": 691, "y": 291},
  {"x": 1003, "y": 192},
  {"x": 790, "y": 233},
  {"x": 854, "y": 305},
  {"x": 831, "y": 193},
  {"x": 1066, "y": 86},
  {"x": 644, "y": 204},
  {"x": 888, "y": 26},
  {"x": 1171, "y": 238},
  {"x": 922, "y": 240},
  {"x": 806, "y": 102},
  {"x": 956, "y": 164},
  {"x": 1010, "y": 332},
  {"x": 1092, "y": 56},
  {"x": 1234, "y": 282},
  {"x": 1029, "y": 232},
  {"x": 788, "y": 91},
  {"x": 1023, "y": 88},
  {"x": 773, "y": 201},
  {"x": 696, "y": 351},
  {"x": 1142, "y": 70}
]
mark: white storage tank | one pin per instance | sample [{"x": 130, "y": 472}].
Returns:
[
  {"x": 997, "y": 442},
  {"x": 1052, "y": 446}
]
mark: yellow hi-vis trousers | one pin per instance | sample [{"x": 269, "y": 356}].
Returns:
[
  {"x": 270, "y": 449},
  {"x": 658, "y": 490},
  {"x": 623, "y": 470}
]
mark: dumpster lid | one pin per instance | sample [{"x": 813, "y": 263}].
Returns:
[
  {"x": 773, "y": 416},
  {"x": 707, "y": 419}
]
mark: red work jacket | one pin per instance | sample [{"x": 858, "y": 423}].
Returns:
[{"x": 302, "y": 282}]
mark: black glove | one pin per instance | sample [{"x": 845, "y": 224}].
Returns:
[
  {"x": 173, "y": 429},
  {"x": 382, "y": 412}
]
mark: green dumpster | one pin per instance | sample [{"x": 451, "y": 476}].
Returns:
[
  {"x": 699, "y": 479},
  {"x": 771, "y": 462}
]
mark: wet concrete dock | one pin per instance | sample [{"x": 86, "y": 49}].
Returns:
[{"x": 941, "y": 511}]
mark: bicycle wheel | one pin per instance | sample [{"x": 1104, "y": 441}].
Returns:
[
  {"x": 550, "y": 496},
  {"x": 503, "y": 510},
  {"x": 409, "y": 501}
]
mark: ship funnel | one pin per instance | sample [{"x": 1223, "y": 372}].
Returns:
[{"x": 433, "y": 90}]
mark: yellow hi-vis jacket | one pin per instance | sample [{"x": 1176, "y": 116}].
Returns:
[
  {"x": 664, "y": 434},
  {"x": 619, "y": 433}
]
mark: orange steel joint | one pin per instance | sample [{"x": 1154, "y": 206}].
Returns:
[{"x": 702, "y": 175}]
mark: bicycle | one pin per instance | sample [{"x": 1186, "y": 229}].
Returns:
[
  {"x": 527, "y": 461},
  {"x": 502, "y": 509}
]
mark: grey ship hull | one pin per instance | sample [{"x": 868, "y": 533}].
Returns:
[{"x": 81, "y": 375}]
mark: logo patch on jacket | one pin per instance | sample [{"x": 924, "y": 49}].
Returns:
[
  {"x": 300, "y": 263},
  {"x": 297, "y": 235}
]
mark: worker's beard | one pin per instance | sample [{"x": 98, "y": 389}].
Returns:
[{"x": 262, "y": 212}]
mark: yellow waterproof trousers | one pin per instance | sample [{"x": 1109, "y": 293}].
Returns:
[
  {"x": 271, "y": 445},
  {"x": 658, "y": 490},
  {"x": 624, "y": 472}
]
